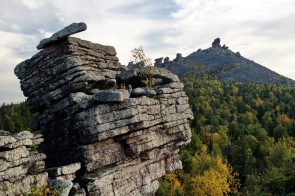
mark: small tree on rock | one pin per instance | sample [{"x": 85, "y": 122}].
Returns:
[{"x": 139, "y": 57}]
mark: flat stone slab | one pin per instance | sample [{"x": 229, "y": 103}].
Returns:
[
  {"x": 64, "y": 170},
  {"x": 4, "y": 140},
  {"x": 24, "y": 135},
  {"x": 137, "y": 92},
  {"x": 65, "y": 32},
  {"x": 111, "y": 95}
]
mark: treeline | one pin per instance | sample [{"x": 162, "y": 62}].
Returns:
[
  {"x": 243, "y": 141},
  {"x": 15, "y": 117}
]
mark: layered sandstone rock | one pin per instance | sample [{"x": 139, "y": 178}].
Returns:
[
  {"x": 21, "y": 166},
  {"x": 103, "y": 127}
]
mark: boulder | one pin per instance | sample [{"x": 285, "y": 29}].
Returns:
[
  {"x": 65, "y": 32},
  {"x": 111, "y": 95}
]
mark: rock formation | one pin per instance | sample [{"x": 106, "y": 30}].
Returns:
[
  {"x": 220, "y": 62},
  {"x": 66, "y": 32},
  {"x": 21, "y": 166},
  {"x": 216, "y": 43},
  {"x": 105, "y": 139}
]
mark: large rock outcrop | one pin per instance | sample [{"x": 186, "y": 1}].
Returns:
[
  {"x": 21, "y": 166},
  {"x": 109, "y": 130}
]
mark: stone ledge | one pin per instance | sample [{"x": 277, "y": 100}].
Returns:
[
  {"x": 65, "y": 32},
  {"x": 111, "y": 95},
  {"x": 64, "y": 170}
]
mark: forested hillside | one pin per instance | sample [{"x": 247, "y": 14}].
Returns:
[
  {"x": 15, "y": 117},
  {"x": 243, "y": 140}
]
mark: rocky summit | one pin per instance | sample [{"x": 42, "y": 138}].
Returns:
[
  {"x": 107, "y": 130},
  {"x": 220, "y": 62}
]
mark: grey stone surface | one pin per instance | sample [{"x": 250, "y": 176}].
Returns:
[
  {"x": 111, "y": 95},
  {"x": 77, "y": 190},
  {"x": 20, "y": 166},
  {"x": 63, "y": 185},
  {"x": 14, "y": 154},
  {"x": 24, "y": 142},
  {"x": 24, "y": 135},
  {"x": 150, "y": 92},
  {"x": 159, "y": 61},
  {"x": 4, "y": 133},
  {"x": 64, "y": 170},
  {"x": 135, "y": 76},
  {"x": 23, "y": 185},
  {"x": 6, "y": 139},
  {"x": 65, "y": 32},
  {"x": 138, "y": 92},
  {"x": 37, "y": 139}
]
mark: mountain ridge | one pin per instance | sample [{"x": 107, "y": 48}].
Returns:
[{"x": 220, "y": 62}]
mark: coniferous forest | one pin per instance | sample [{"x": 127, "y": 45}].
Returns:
[
  {"x": 15, "y": 117},
  {"x": 243, "y": 139}
]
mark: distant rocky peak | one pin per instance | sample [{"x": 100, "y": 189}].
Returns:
[
  {"x": 219, "y": 61},
  {"x": 178, "y": 57},
  {"x": 216, "y": 43}
]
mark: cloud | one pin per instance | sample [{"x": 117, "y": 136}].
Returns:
[
  {"x": 28, "y": 17},
  {"x": 123, "y": 24},
  {"x": 14, "y": 48},
  {"x": 34, "y": 4},
  {"x": 261, "y": 30}
]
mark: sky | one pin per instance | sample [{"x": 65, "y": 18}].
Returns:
[{"x": 261, "y": 30}]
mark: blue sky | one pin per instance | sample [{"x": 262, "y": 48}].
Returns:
[{"x": 262, "y": 30}]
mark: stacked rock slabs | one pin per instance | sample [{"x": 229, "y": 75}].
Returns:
[
  {"x": 21, "y": 166},
  {"x": 93, "y": 111}
]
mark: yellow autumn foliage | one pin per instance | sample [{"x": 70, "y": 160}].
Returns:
[
  {"x": 174, "y": 181},
  {"x": 212, "y": 175},
  {"x": 209, "y": 175},
  {"x": 213, "y": 181},
  {"x": 42, "y": 189}
]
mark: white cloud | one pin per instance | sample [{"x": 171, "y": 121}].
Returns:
[
  {"x": 123, "y": 24},
  {"x": 33, "y": 4},
  {"x": 12, "y": 47},
  {"x": 262, "y": 30}
]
